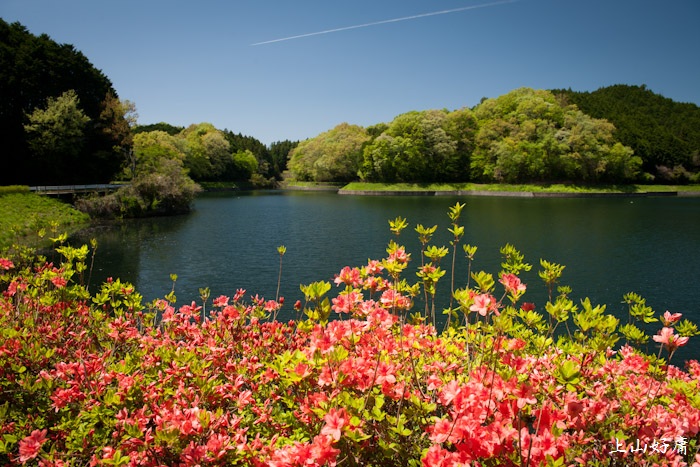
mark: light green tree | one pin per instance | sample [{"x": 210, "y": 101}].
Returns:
[
  {"x": 56, "y": 133},
  {"x": 151, "y": 149},
  {"x": 426, "y": 146},
  {"x": 244, "y": 165},
  {"x": 207, "y": 152},
  {"x": 331, "y": 156},
  {"x": 528, "y": 135}
]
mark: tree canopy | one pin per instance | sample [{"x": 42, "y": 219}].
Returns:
[
  {"x": 665, "y": 134},
  {"x": 432, "y": 145},
  {"x": 38, "y": 78},
  {"x": 525, "y": 135},
  {"x": 206, "y": 153},
  {"x": 331, "y": 156}
]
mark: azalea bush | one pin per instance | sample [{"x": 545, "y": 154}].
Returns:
[{"x": 360, "y": 377}]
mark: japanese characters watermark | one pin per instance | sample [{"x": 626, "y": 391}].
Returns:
[{"x": 679, "y": 445}]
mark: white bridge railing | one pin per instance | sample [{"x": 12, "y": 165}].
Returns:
[{"x": 69, "y": 189}]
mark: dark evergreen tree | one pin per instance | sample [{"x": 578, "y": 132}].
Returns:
[
  {"x": 172, "y": 130},
  {"x": 34, "y": 69},
  {"x": 240, "y": 142},
  {"x": 279, "y": 151},
  {"x": 663, "y": 132}
]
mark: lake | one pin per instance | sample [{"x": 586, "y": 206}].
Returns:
[{"x": 610, "y": 246}]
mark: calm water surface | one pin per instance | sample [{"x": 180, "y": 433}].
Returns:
[{"x": 610, "y": 246}]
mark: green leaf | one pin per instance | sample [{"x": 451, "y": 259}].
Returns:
[{"x": 484, "y": 281}]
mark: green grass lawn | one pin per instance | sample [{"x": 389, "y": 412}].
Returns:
[
  {"x": 22, "y": 215},
  {"x": 556, "y": 188},
  {"x": 296, "y": 183}
]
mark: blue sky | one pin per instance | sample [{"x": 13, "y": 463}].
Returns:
[{"x": 186, "y": 62}]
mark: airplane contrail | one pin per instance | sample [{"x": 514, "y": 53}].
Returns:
[{"x": 394, "y": 20}]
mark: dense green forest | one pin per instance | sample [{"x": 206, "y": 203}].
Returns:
[
  {"x": 62, "y": 119},
  {"x": 665, "y": 134},
  {"x": 615, "y": 134},
  {"x": 65, "y": 124},
  {"x": 525, "y": 135}
]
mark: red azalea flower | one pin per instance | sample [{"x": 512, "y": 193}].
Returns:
[
  {"x": 221, "y": 301},
  {"x": 29, "y": 447},
  {"x": 239, "y": 294},
  {"x": 59, "y": 282}
]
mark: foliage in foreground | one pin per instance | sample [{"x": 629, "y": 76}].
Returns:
[{"x": 100, "y": 379}]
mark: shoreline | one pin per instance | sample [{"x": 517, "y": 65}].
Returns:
[
  {"x": 500, "y": 190},
  {"x": 519, "y": 194}
]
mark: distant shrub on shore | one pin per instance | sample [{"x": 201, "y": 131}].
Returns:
[{"x": 168, "y": 191}]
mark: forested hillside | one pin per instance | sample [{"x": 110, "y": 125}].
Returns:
[
  {"x": 664, "y": 133},
  {"x": 208, "y": 154},
  {"x": 62, "y": 120},
  {"x": 525, "y": 135},
  {"x": 65, "y": 124}
]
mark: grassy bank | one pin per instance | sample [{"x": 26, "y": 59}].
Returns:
[
  {"x": 549, "y": 188},
  {"x": 297, "y": 185},
  {"x": 22, "y": 215}
]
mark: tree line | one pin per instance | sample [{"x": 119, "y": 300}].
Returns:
[
  {"x": 665, "y": 134},
  {"x": 616, "y": 135},
  {"x": 66, "y": 124}
]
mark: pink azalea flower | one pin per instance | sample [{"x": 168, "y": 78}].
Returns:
[
  {"x": 483, "y": 303},
  {"x": 346, "y": 303},
  {"x": 668, "y": 339},
  {"x": 271, "y": 306},
  {"x": 335, "y": 420},
  {"x": 348, "y": 276},
  {"x": 6, "y": 264},
  {"x": 512, "y": 284},
  {"x": 391, "y": 298},
  {"x": 400, "y": 256},
  {"x": 670, "y": 318},
  {"x": 374, "y": 267},
  {"x": 29, "y": 447}
]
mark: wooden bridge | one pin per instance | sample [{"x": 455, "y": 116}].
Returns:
[{"x": 57, "y": 190}]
